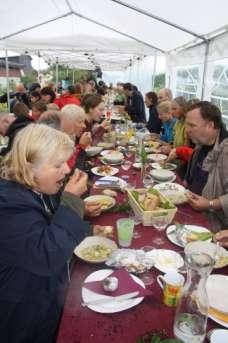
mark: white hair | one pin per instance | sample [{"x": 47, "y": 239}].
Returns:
[{"x": 72, "y": 112}]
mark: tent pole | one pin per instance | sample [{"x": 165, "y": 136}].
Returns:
[
  {"x": 154, "y": 70},
  {"x": 56, "y": 74},
  {"x": 7, "y": 79},
  {"x": 205, "y": 69},
  {"x": 73, "y": 77},
  {"x": 151, "y": 15}
]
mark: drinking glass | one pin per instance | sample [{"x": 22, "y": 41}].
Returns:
[
  {"x": 137, "y": 220},
  {"x": 146, "y": 276},
  {"x": 160, "y": 223},
  {"x": 125, "y": 228},
  {"x": 147, "y": 180}
]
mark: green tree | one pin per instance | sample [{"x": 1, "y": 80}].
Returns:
[
  {"x": 29, "y": 78},
  {"x": 159, "y": 82}
]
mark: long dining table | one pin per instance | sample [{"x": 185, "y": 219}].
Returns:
[{"x": 81, "y": 325}]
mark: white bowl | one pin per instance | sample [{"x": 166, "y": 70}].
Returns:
[
  {"x": 162, "y": 174},
  {"x": 91, "y": 241},
  {"x": 114, "y": 157},
  {"x": 93, "y": 150}
]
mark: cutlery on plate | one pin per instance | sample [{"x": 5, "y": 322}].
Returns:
[{"x": 111, "y": 299}]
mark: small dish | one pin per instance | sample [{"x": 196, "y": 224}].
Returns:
[
  {"x": 156, "y": 157},
  {"x": 162, "y": 174}
]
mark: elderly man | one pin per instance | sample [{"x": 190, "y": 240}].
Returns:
[
  {"x": 164, "y": 94},
  {"x": 73, "y": 123},
  {"x": 207, "y": 174}
]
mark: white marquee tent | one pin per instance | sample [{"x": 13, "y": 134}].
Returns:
[{"x": 128, "y": 36}]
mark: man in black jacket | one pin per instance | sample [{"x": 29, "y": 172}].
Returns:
[{"x": 135, "y": 104}]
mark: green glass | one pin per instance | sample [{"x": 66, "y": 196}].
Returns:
[{"x": 125, "y": 228}]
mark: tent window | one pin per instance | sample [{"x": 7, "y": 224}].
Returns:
[
  {"x": 219, "y": 94},
  {"x": 187, "y": 82}
]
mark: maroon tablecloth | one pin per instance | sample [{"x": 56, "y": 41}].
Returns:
[{"x": 81, "y": 325}]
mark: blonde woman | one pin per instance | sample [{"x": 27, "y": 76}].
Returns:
[{"x": 35, "y": 243}]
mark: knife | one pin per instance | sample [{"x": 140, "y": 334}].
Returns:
[{"x": 111, "y": 299}]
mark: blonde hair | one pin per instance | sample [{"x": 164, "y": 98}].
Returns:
[
  {"x": 33, "y": 145},
  {"x": 164, "y": 107}
]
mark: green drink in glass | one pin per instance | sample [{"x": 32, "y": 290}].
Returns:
[{"x": 125, "y": 227}]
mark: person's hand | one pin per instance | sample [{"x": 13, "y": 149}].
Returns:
[
  {"x": 165, "y": 149},
  {"x": 77, "y": 183},
  {"x": 172, "y": 155},
  {"x": 222, "y": 238},
  {"x": 106, "y": 124},
  {"x": 197, "y": 202},
  {"x": 86, "y": 139},
  {"x": 92, "y": 208}
]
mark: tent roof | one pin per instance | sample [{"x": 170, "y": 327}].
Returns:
[{"x": 111, "y": 32}]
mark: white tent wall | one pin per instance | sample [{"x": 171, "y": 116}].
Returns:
[{"x": 189, "y": 64}]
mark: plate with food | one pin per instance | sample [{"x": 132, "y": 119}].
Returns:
[
  {"x": 217, "y": 291},
  {"x": 111, "y": 182},
  {"x": 173, "y": 191},
  {"x": 168, "y": 260},
  {"x": 105, "y": 145},
  {"x": 164, "y": 165},
  {"x": 156, "y": 157},
  {"x": 106, "y": 201},
  {"x": 104, "y": 170},
  {"x": 217, "y": 253},
  {"x": 111, "y": 305},
  {"x": 95, "y": 249},
  {"x": 181, "y": 235}
]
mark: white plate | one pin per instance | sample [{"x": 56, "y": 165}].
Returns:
[
  {"x": 159, "y": 181},
  {"x": 121, "y": 182},
  {"x": 156, "y": 157},
  {"x": 105, "y": 145},
  {"x": 91, "y": 241},
  {"x": 105, "y": 152},
  {"x": 173, "y": 238},
  {"x": 109, "y": 307},
  {"x": 102, "y": 198},
  {"x": 173, "y": 191},
  {"x": 167, "y": 260},
  {"x": 217, "y": 291},
  {"x": 113, "y": 171},
  {"x": 219, "y": 336},
  {"x": 157, "y": 165},
  {"x": 137, "y": 165}
]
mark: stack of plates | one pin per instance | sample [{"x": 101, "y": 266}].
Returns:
[{"x": 217, "y": 290}]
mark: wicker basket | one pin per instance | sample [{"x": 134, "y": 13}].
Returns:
[{"x": 149, "y": 217}]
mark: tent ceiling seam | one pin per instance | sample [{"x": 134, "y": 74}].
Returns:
[
  {"x": 36, "y": 25},
  {"x": 117, "y": 31},
  {"x": 151, "y": 15}
]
